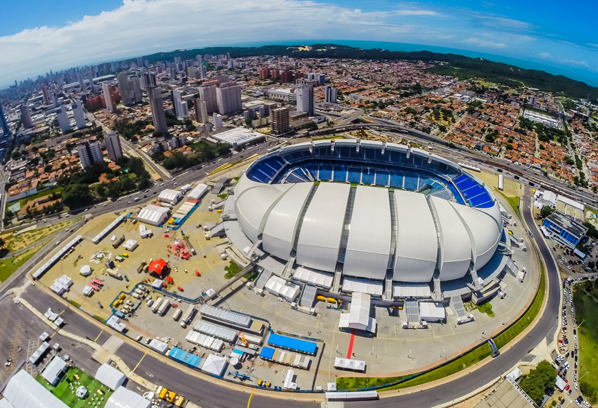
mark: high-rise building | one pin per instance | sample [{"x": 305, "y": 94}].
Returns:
[
  {"x": 319, "y": 78},
  {"x": 136, "y": 85},
  {"x": 228, "y": 97},
  {"x": 264, "y": 73},
  {"x": 199, "y": 60},
  {"x": 207, "y": 92},
  {"x": 113, "y": 146},
  {"x": 286, "y": 76},
  {"x": 26, "y": 117},
  {"x": 90, "y": 152},
  {"x": 330, "y": 94},
  {"x": 204, "y": 72},
  {"x": 180, "y": 106},
  {"x": 231, "y": 64},
  {"x": 3, "y": 123},
  {"x": 217, "y": 120},
  {"x": 63, "y": 119},
  {"x": 79, "y": 115},
  {"x": 139, "y": 62},
  {"x": 201, "y": 110},
  {"x": 306, "y": 100},
  {"x": 157, "y": 106},
  {"x": 81, "y": 84},
  {"x": 279, "y": 120},
  {"x": 108, "y": 92},
  {"x": 46, "y": 94},
  {"x": 125, "y": 88}
]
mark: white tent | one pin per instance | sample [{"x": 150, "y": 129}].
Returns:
[
  {"x": 514, "y": 375},
  {"x": 154, "y": 215},
  {"x": 130, "y": 245},
  {"x": 282, "y": 288},
  {"x": 215, "y": 365},
  {"x": 124, "y": 398},
  {"x": 347, "y": 364},
  {"x": 288, "y": 382},
  {"x": 85, "y": 270},
  {"x": 431, "y": 311},
  {"x": 54, "y": 370},
  {"x": 159, "y": 346},
  {"x": 23, "y": 391},
  {"x": 359, "y": 314},
  {"x": 170, "y": 196},
  {"x": 110, "y": 376}
]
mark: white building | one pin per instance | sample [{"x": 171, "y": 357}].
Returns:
[
  {"x": 113, "y": 146},
  {"x": 23, "y": 391},
  {"x": 238, "y": 137},
  {"x": 282, "y": 94},
  {"x": 125, "y": 398},
  {"x": 544, "y": 119},
  {"x": 110, "y": 376},
  {"x": 108, "y": 93},
  {"x": 63, "y": 119},
  {"x": 79, "y": 115},
  {"x": 217, "y": 120},
  {"x": 330, "y": 94},
  {"x": 306, "y": 101},
  {"x": 228, "y": 98},
  {"x": 90, "y": 152},
  {"x": 53, "y": 371}
]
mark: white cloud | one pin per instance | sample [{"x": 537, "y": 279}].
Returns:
[
  {"x": 141, "y": 27},
  {"x": 484, "y": 44},
  {"x": 544, "y": 55},
  {"x": 503, "y": 22},
  {"x": 415, "y": 12}
]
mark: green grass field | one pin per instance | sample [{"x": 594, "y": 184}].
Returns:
[
  {"x": 67, "y": 395},
  {"x": 513, "y": 202},
  {"x": 24, "y": 201},
  {"x": 9, "y": 265},
  {"x": 586, "y": 314}
]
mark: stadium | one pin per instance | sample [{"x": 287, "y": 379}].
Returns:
[{"x": 363, "y": 216}]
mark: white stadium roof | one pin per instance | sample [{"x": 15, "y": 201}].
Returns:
[{"x": 363, "y": 230}]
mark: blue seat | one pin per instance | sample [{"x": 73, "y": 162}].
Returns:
[
  {"x": 382, "y": 178},
  {"x": 396, "y": 180},
  {"x": 480, "y": 200},
  {"x": 354, "y": 175},
  {"x": 325, "y": 173},
  {"x": 473, "y": 192},
  {"x": 411, "y": 181},
  {"x": 368, "y": 176},
  {"x": 456, "y": 194},
  {"x": 340, "y": 173},
  {"x": 313, "y": 170}
]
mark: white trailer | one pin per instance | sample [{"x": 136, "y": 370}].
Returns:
[
  {"x": 156, "y": 305},
  {"x": 501, "y": 182},
  {"x": 164, "y": 307},
  {"x": 188, "y": 315},
  {"x": 177, "y": 313}
]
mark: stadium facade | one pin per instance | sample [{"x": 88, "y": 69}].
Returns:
[{"x": 379, "y": 218}]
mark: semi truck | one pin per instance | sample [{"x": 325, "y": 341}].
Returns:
[
  {"x": 114, "y": 274},
  {"x": 156, "y": 305},
  {"x": 188, "y": 316},
  {"x": 177, "y": 313},
  {"x": 164, "y": 307}
]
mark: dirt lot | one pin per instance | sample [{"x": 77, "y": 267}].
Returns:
[{"x": 16, "y": 242}]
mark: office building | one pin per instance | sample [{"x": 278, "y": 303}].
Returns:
[
  {"x": 320, "y": 79},
  {"x": 157, "y": 107},
  {"x": 279, "y": 120},
  {"x": 306, "y": 100},
  {"x": 199, "y": 60},
  {"x": 113, "y": 146},
  {"x": 79, "y": 115},
  {"x": 26, "y": 117},
  {"x": 217, "y": 120},
  {"x": 90, "y": 152},
  {"x": 201, "y": 110},
  {"x": 231, "y": 64},
  {"x": 125, "y": 88},
  {"x": 228, "y": 97},
  {"x": 136, "y": 85},
  {"x": 330, "y": 94},
  {"x": 204, "y": 72},
  {"x": 46, "y": 95},
  {"x": 139, "y": 62},
  {"x": 3, "y": 123},
  {"x": 180, "y": 106},
  {"x": 565, "y": 229},
  {"x": 207, "y": 92},
  {"x": 63, "y": 119},
  {"x": 81, "y": 83},
  {"x": 108, "y": 92}
]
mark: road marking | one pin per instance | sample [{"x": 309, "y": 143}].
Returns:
[
  {"x": 133, "y": 370},
  {"x": 98, "y": 336},
  {"x": 249, "y": 402}
]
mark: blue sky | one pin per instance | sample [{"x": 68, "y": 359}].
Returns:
[{"x": 39, "y": 35}]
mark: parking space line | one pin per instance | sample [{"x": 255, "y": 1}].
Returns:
[
  {"x": 133, "y": 370},
  {"x": 249, "y": 402},
  {"x": 98, "y": 336}
]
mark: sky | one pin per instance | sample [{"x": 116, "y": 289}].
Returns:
[{"x": 40, "y": 35}]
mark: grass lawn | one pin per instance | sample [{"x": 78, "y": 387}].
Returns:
[
  {"x": 24, "y": 201},
  {"x": 9, "y": 265},
  {"x": 232, "y": 270},
  {"x": 16, "y": 242},
  {"x": 67, "y": 395},
  {"x": 513, "y": 201},
  {"x": 329, "y": 137},
  {"x": 586, "y": 313}
]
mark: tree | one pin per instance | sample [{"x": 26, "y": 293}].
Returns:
[
  {"x": 16, "y": 154},
  {"x": 546, "y": 211},
  {"x": 47, "y": 168},
  {"x": 76, "y": 195},
  {"x": 539, "y": 381},
  {"x": 591, "y": 264},
  {"x": 587, "y": 390}
]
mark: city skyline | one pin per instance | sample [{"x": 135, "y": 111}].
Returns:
[{"x": 38, "y": 39}]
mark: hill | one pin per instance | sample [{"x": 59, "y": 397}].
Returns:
[{"x": 455, "y": 65}]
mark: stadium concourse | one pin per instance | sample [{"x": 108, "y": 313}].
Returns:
[{"x": 391, "y": 221}]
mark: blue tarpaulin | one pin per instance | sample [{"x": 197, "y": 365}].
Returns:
[
  {"x": 185, "y": 358},
  {"x": 291, "y": 343},
  {"x": 267, "y": 353}
]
